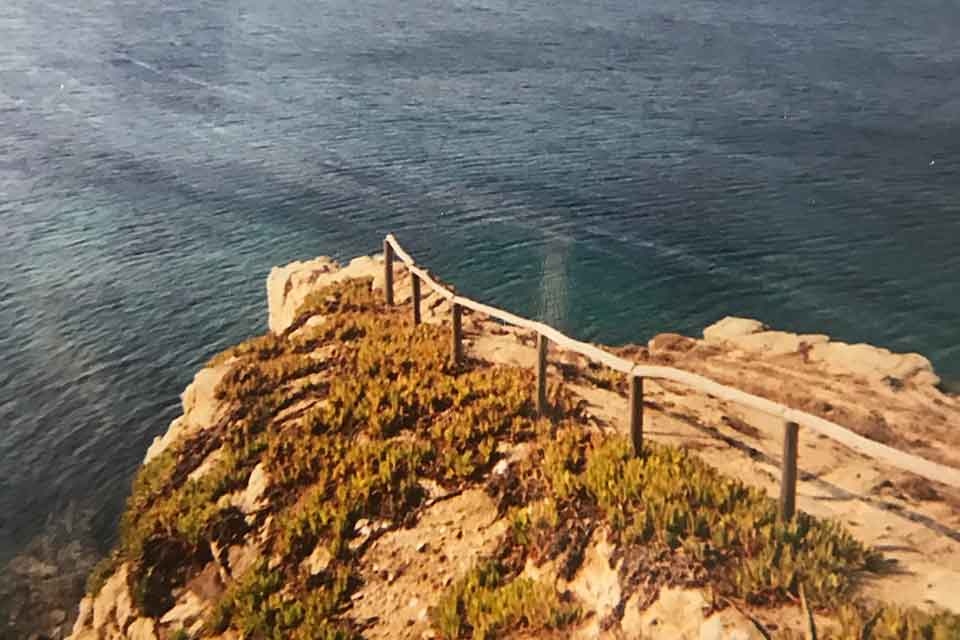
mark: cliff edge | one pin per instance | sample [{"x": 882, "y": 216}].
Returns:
[{"x": 340, "y": 477}]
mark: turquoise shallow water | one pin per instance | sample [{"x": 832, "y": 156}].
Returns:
[{"x": 615, "y": 168}]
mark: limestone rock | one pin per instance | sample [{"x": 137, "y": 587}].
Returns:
[
  {"x": 836, "y": 357},
  {"x": 315, "y": 321},
  {"x": 85, "y": 616},
  {"x": 318, "y": 561},
  {"x": 142, "y": 629},
  {"x": 251, "y": 500},
  {"x": 160, "y": 443},
  {"x": 189, "y": 609},
  {"x": 732, "y": 327},
  {"x": 676, "y": 615},
  {"x": 113, "y": 606},
  {"x": 200, "y": 409},
  {"x": 874, "y": 362},
  {"x": 776, "y": 342},
  {"x": 289, "y": 286},
  {"x": 597, "y": 584}
]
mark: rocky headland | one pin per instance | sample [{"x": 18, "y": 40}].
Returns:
[{"x": 339, "y": 477}]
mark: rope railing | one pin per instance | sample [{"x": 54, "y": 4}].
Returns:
[{"x": 636, "y": 372}]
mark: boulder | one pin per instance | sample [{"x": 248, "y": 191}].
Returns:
[
  {"x": 199, "y": 399},
  {"x": 732, "y": 327},
  {"x": 207, "y": 584},
  {"x": 840, "y": 358}
]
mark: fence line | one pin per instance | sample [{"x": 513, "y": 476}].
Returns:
[{"x": 792, "y": 418}]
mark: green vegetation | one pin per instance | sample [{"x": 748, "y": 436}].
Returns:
[
  {"x": 671, "y": 499},
  {"x": 896, "y": 623},
  {"x": 258, "y": 606},
  {"x": 344, "y": 436},
  {"x": 886, "y": 622},
  {"x": 484, "y": 603},
  {"x": 347, "y": 415}
]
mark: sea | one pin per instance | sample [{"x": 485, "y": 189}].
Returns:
[{"x": 617, "y": 168}]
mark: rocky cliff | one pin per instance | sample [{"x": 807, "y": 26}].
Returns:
[{"x": 340, "y": 477}]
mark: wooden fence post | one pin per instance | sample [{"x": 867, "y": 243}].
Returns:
[
  {"x": 457, "y": 346},
  {"x": 541, "y": 374},
  {"x": 415, "y": 283},
  {"x": 788, "y": 480},
  {"x": 388, "y": 271},
  {"x": 636, "y": 414}
]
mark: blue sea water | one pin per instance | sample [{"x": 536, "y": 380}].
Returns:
[{"x": 615, "y": 167}]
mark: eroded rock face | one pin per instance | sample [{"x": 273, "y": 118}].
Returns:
[
  {"x": 835, "y": 357},
  {"x": 406, "y": 568},
  {"x": 142, "y": 629},
  {"x": 874, "y": 362},
  {"x": 201, "y": 409},
  {"x": 288, "y": 286},
  {"x": 113, "y": 609}
]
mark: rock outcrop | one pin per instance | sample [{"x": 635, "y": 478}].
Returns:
[
  {"x": 837, "y": 357},
  {"x": 407, "y": 565},
  {"x": 200, "y": 410},
  {"x": 288, "y": 286}
]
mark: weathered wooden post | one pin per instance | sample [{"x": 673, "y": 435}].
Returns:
[
  {"x": 636, "y": 414},
  {"x": 788, "y": 480},
  {"x": 457, "y": 346},
  {"x": 415, "y": 283},
  {"x": 388, "y": 271},
  {"x": 541, "y": 374}
]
